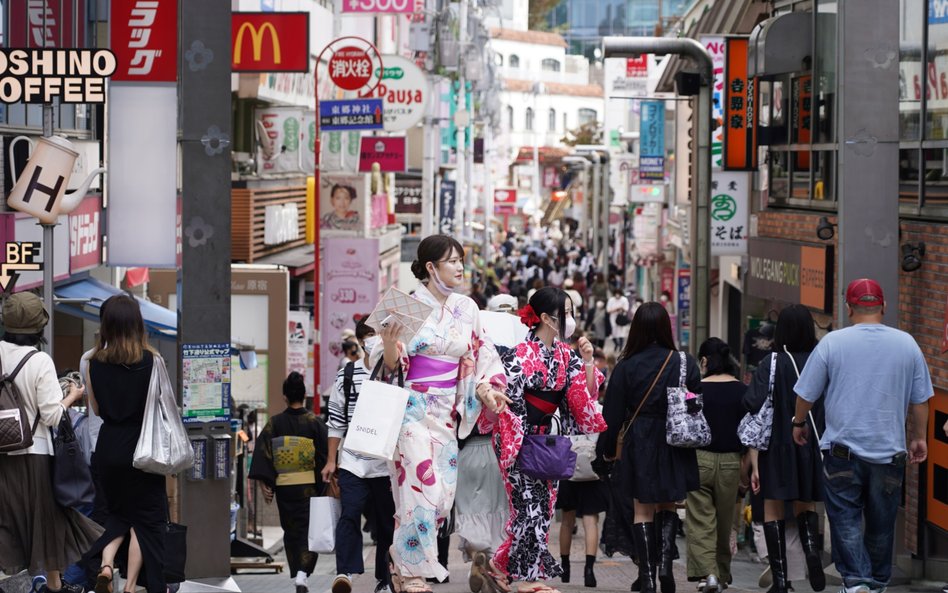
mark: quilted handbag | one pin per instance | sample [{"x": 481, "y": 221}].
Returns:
[
  {"x": 685, "y": 424},
  {"x": 547, "y": 456},
  {"x": 755, "y": 429}
]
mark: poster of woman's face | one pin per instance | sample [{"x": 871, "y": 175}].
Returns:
[{"x": 342, "y": 203}]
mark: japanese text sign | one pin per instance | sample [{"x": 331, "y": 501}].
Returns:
[
  {"x": 382, "y": 6},
  {"x": 715, "y": 47},
  {"x": 739, "y": 112},
  {"x": 144, "y": 38},
  {"x": 652, "y": 141},
  {"x": 407, "y": 196},
  {"x": 447, "y": 200},
  {"x": 388, "y": 152},
  {"x": 730, "y": 197},
  {"x": 47, "y": 23},
  {"x": 270, "y": 41},
  {"x": 350, "y": 114},
  {"x": 205, "y": 380}
]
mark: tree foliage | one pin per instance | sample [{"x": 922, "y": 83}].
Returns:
[
  {"x": 588, "y": 133},
  {"x": 539, "y": 13}
]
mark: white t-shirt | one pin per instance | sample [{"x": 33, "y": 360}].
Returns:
[{"x": 40, "y": 390}]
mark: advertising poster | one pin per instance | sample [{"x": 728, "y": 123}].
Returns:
[
  {"x": 297, "y": 345},
  {"x": 340, "y": 150},
  {"x": 342, "y": 203},
  {"x": 205, "y": 380},
  {"x": 279, "y": 139},
  {"x": 684, "y": 307},
  {"x": 350, "y": 292},
  {"x": 730, "y": 194},
  {"x": 715, "y": 47}
]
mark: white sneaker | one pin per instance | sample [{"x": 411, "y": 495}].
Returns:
[
  {"x": 711, "y": 585},
  {"x": 342, "y": 584},
  {"x": 856, "y": 589}
]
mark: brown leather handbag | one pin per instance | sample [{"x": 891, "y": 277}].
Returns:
[{"x": 628, "y": 423}]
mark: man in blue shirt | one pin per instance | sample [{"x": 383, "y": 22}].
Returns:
[{"x": 873, "y": 377}]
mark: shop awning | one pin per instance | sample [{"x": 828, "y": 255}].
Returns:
[
  {"x": 87, "y": 296},
  {"x": 299, "y": 260}
]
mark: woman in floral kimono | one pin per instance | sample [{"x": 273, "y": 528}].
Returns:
[
  {"x": 543, "y": 376},
  {"x": 452, "y": 372}
]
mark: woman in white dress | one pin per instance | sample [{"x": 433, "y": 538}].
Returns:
[
  {"x": 453, "y": 373},
  {"x": 618, "y": 305}
]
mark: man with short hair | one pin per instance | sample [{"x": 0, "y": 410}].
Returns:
[{"x": 871, "y": 377}]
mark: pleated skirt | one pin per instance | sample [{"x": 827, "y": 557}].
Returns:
[{"x": 36, "y": 534}]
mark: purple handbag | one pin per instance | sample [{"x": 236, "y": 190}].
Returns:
[{"x": 547, "y": 456}]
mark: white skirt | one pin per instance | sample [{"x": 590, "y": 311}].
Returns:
[{"x": 481, "y": 505}]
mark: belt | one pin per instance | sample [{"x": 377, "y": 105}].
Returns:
[
  {"x": 841, "y": 451},
  {"x": 433, "y": 372},
  {"x": 296, "y": 478},
  {"x": 540, "y": 404}
]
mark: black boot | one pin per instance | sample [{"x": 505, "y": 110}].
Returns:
[
  {"x": 775, "y": 534},
  {"x": 668, "y": 521},
  {"x": 564, "y": 560},
  {"x": 646, "y": 547},
  {"x": 589, "y": 576},
  {"x": 808, "y": 525}
]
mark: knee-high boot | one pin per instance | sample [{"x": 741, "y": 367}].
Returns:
[
  {"x": 808, "y": 524},
  {"x": 668, "y": 521},
  {"x": 646, "y": 547},
  {"x": 775, "y": 535}
]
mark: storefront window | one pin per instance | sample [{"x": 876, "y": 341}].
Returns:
[
  {"x": 825, "y": 66},
  {"x": 936, "y": 91},
  {"x": 911, "y": 19}
]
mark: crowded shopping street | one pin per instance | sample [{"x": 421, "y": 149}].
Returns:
[{"x": 474, "y": 296}]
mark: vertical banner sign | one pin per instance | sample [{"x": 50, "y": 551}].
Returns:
[
  {"x": 297, "y": 345},
  {"x": 730, "y": 196},
  {"x": 47, "y": 23},
  {"x": 738, "y": 142},
  {"x": 143, "y": 175},
  {"x": 407, "y": 196},
  {"x": 715, "y": 47},
  {"x": 205, "y": 380},
  {"x": 350, "y": 292},
  {"x": 652, "y": 141},
  {"x": 447, "y": 197},
  {"x": 684, "y": 307},
  {"x": 802, "y": 97}
]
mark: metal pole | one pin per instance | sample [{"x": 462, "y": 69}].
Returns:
[
  {"x": 49, "y": 261},
  {"x": 469, "y": 167},
  {"x": 488, "y": 189},
  {"x": 536, "y": 151},
  {"x": 597, "y": 213},
  {"x": 619, "y": 47},
  {"x": 427, "y": 167},
  {"x": 460, "y": 188}
]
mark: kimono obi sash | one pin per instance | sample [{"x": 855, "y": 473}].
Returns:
[
  {"x": 541, "y": 403},
  {"x": 294, "y": 459},
  {"x": 438, "y": 372}
]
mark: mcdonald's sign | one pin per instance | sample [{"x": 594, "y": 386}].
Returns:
[{"x": 270, "y": 41}]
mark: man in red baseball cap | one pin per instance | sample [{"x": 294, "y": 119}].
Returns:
[{"x": 872, "y": 378}]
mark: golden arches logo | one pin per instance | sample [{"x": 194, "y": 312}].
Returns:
[{"x": 256, "y": 38}]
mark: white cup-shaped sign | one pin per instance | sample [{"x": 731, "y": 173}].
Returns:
[{"x": 40, "y": 187}]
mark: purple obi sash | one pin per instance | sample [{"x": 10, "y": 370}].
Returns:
[{"x": 433, "y": 372}]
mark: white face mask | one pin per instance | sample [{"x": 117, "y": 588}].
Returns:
[
  {"x": 568, "y": 330},
  {"x": 371, "y": 342}
]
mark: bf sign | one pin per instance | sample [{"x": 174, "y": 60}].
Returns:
[{"x": 41, "y": 187}]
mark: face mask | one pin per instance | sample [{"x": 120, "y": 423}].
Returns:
[
  {"x": 443, "y": 288},
  {"x": 371, "y": 342},
  {"x": 570, "y": 327}
]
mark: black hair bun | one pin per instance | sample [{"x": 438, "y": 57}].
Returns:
[{"x": 419, "y": 270}]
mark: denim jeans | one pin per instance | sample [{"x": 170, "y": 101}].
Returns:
[
  {"x": 355, "y": 492},
  {"x": 862, "y": 499}
]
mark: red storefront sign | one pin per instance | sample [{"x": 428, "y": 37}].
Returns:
[
  {"x": 270, "y": 41},
  {"x": 668, "y": 280},
  {"x": 388, "y": 152},
  {"x": 507, "y": 195},
  {"x": 636, "y": 67},
  {"x": 383, "y": 6},
  {"x": 47, "y": 23},
  {"x": 85, "y": 245},
  {"x": 144, "y": 37},
  {"x": 740, "y": 114}
]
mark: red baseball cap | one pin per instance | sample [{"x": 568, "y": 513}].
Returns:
[{"x": 864, "y": 292}]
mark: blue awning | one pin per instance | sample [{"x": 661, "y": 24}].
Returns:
[{"x": 159, "y": 321}]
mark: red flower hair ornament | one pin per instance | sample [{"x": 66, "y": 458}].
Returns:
[{"x": 528, "y": 316}]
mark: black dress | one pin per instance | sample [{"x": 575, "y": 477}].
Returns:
[
  {"x": 787, "y": 471},
  {"x": 652, "y": 471},
  {"x": 134, "y": 499}
]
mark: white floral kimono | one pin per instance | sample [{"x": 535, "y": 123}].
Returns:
[{"x": 443, "y": 364}]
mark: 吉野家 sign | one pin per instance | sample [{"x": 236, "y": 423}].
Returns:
[
  {"x": 270, "y": 41},
  {"x": 205, "y": 378},
  {"x": 388, "y": 152},
  {"x": 350, "y": 114},
  {"x": 144, "y": 36},
  {"x": 740, "y": 116},
  {"x": 40, "y": 75}
]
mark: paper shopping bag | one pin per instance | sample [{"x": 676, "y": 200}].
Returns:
[
  {"x": 377, "y": 420},
  {"x": 324, "y": 512}
]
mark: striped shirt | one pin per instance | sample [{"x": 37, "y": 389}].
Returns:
[{"x": 359, "y": 465}]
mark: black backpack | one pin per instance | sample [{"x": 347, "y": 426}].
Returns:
[{"x": 15, "y": 431}]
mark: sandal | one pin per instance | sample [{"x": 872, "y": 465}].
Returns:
[
  {"x": 395, "y": 579},
  {"x": 416, "y": 585},
  {"x": 103, "y": 584},
  {"x": 534, "y": 587},
  {"x": 498, "y": 577}
]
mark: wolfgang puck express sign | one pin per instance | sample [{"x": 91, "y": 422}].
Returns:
[
  {"x": 40, "y": 75},
  {"x": 791, "y": 273}
]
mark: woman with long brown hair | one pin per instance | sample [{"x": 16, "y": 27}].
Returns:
[
  {"x": 118, "y": 379},
  {"x": 652, "y": 471}
]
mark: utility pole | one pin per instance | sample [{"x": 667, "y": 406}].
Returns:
[
  {"x": 700, "y": 219},
  {"x": 428, "y": 140},
  {"x": 459, "y": 119}
]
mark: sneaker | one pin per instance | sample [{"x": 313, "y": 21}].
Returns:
[
  {"x": 711, "y": 585},
  {"x": 382, "y": 587},
  {"x": 342, "y": 584},
  {"x": 944, "y": 589},
  {"x": 66, "y": 588},
  {"x": 856, "y": 589}
]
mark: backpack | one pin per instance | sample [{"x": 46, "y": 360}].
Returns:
[
  {"x": 347, "y": 386},
  {"x": 15, "y": 431}
]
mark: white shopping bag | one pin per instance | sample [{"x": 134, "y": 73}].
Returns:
[
  {"x": 377, "y": 420},
  {"x": 324, "y": 512}
]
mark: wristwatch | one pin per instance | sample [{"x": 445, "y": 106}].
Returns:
[{"x": 796, "y": 424}]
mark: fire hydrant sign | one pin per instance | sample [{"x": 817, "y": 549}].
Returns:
[
  {"x": 389, "y": 153},
  {"x": 350, "y": 68},
  {"x": 404, "y": 88}
]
